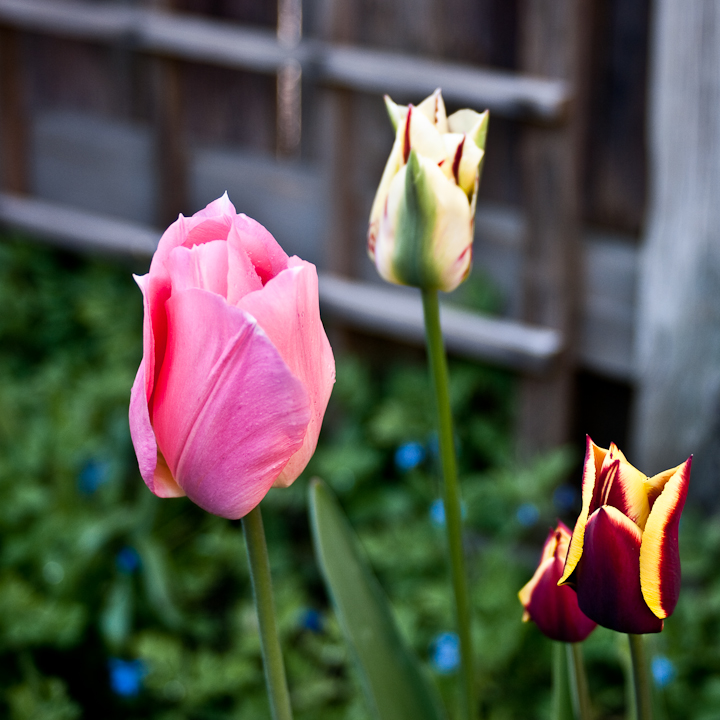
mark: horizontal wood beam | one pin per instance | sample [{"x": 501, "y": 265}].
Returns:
[
  {"x": 198, "y": 39},
  {"x": 397, "y": 313},
  {"x": 385, "y": 311}
]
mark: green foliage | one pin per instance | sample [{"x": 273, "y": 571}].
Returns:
[
  {"x": 94, "y": 567},
  {"x": 395, "y": 687}
]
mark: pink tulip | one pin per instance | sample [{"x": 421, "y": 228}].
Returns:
[{"x": 236, "y": 371}]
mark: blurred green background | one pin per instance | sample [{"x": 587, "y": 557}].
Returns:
[{"x": 116, "y": 604}]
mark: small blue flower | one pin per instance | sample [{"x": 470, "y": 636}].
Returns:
[
  {"x": 126, "y": 676},
  {"x": 527, "y": 514},
  {"x": 311, "y": 620},
  {"x": 663, "y": 670},
  {"x": 445, "y": 653},
  {"x": 127, "y": 560},
  {"x": 565, "y": 498},
  {"x": 408, "y": 456},
  {"x": 437, "y": 512},
  {"x": 93, "y": 474}
]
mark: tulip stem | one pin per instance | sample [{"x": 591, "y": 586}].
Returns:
[
  {"x": 453, "y": 520},
  {"x": 641, "y": 681},
  {"x": 578, "y": 681},
  {"x": 262, "y": 592}
]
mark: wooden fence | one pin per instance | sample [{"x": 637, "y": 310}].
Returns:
[{"x": 571, "y": 294}]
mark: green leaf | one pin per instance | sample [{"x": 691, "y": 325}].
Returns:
[{"x": 392, "y": 678}]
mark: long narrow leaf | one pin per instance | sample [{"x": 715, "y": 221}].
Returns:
[{"x": 392, "y": 678}]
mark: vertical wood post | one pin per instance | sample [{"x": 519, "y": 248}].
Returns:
[
  {"x": 13, "y": 115},
  {"x": 289, "y": 81},
  {"x": 338, "y": 129},
  {"x": 552, "y": 39},
  {"x": 678, "y": 325},
  {"x": 171, "y": 150}
]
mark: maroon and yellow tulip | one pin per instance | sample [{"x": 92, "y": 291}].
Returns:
[
  {"x": 554, "y": 609},
  {"x": 623, "y": 559}
]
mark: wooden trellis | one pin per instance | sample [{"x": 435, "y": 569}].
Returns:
[{"x": 541, "y": 98}]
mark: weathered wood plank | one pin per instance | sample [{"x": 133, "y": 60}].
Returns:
[
  {"x": 76, "y": 229},
  {"x": 504, "y": 93},
  {"x": 552, "y": 45},
  {"x": 13, "y": 124},
  {"x": 397, "y": 314},
  {"x": 196, "y": 39},
  {"x": 386, "y": 311},
  {"x": 678, "y": 404}
]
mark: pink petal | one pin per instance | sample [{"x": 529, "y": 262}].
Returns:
[
  {"x": 228, "y": 411},
  {"x": 152, "y": 466},
  {"x": 287, "y": 310},
  {"x": 203, "y": 266},
  {"x": 267, "y": 257},
  {"x": 155, "y": 292},
  {"x": 222, "y": 206},
  {"x": 242, "y": 275},
  {"x": 608, "y": 575}
]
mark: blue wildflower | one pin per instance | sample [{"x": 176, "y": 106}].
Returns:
[
  {"x": 126, "y": 676},
  {"x": 408, "y": 456},
  {"x": 663, "y": 670},
  {"x": 445, "y": 653},
  {"x": 127, "y": 560},
  {"x": 93, "y": 474},
  {"x": 527, "y": 514},
  {"x": 311, "y": 619}
]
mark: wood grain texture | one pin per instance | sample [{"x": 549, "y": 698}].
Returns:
[
  {"x": 551, "y": 45},
  {"x": 13, "y": 114},
  {"x": 679, "y": 311},
  {"x": 198, "y": 39}
]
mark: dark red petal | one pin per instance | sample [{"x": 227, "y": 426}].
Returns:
[
  {"x": 608, "y": 575},
  {"x": 555, "y": 609}
]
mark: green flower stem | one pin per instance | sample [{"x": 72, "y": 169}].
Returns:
[
  {"x": 578, "y": 681},
  {"x": 262, "y": 591},
  {"x": 641, "y": 680},
  {"x": 453, "y": 522},
  {"x": 562, "y": 706}
]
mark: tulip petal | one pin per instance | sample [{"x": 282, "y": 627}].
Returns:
[
  {"x": 396, "y": 113},
  {"x": 555, "y": 610},
  {"x": 155, "y": 291},
  {"x": 229, "y": 412},
  {"x": 654, "y": 485},
  {"x": 471, "y": 123},
  {"x": 202, "y": 266},
  {"x": 594, "y": 457},
  {"x": 287, "y": 311},
  {"x": 659, "y": 553},
  {"x": 220, "y": 207},
  {"x": 378, "y": 212},
  {"x": 627, "y": 493},
  {"x": 428, "y": 236},
  {"x": 153, "y": 468},
  {"x": 424, "y": 137},
  {"x": 268, "y": 259},
  {"x": 608, "y": 581},
  {"x": 433, "y": 108}
]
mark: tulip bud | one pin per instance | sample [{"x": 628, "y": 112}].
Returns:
[
  {"x": 236, "y": 371},
  {"x": 623, "y": 559},
  {"x": 554, "y": 609},
  {"x": 422, "y": 219}
]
